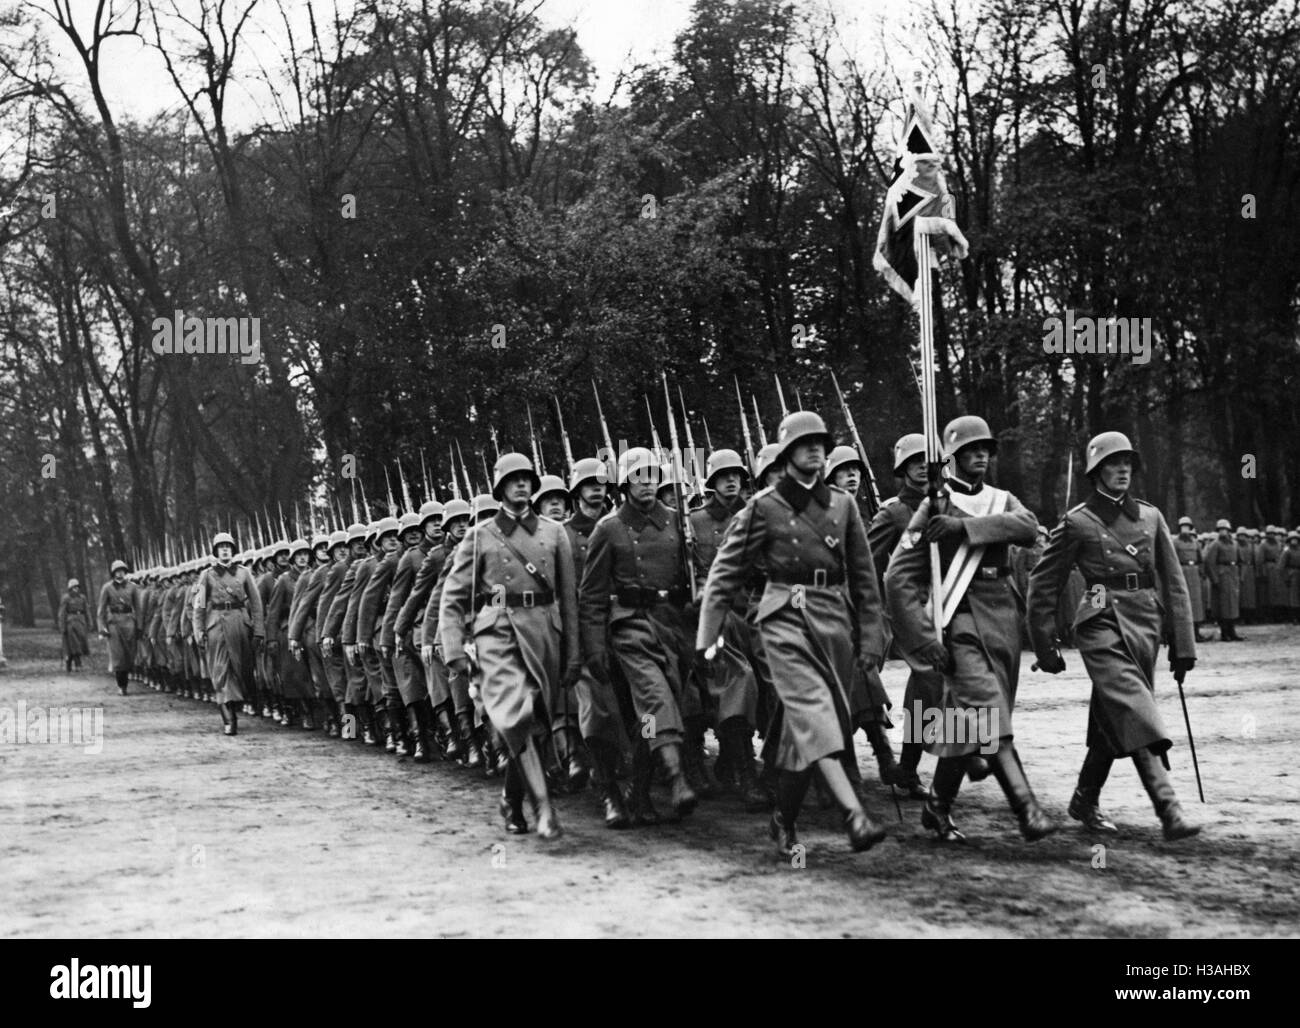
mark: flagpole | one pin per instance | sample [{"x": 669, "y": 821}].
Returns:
[{"x": 929, "y": 414}]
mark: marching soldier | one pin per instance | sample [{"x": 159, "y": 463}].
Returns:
[
  {"x": 330, "y": 578},
  {"x": 303, "y": 643},
  {"x": 924, "y": 688},
  {"x": 294, "y": 675},
  {"x": 1128, "y": 559},
  {"x": 869, "y": 701},
  {"x": 369, "y": 613},
  {"x": 74, "y": 625},
  {"x": 1188, "y": 548},
  {"x": 121, "y": 617},
  {"x": 408, "y": 671},
  {"x": 980, "y": 657},
  {"x": 356, "y": 693},
  {"x": 1246, "y": 567},
  {"x": 1223, "y": 566},
  {"x": 732, "y": 683},
  {"x": 633, "y": 591},
  {"x": 819, "y": 616},
  {"x": 513, "y": 581},
  {"x": 228, "y": 620},
  {"x": 603, "y": 710}
]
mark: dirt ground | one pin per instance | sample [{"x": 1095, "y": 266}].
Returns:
[{"x": 174, "y": 830}]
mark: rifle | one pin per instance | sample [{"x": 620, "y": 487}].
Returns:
[
  {"x": 612, "y": 454},
  {"x": 464, "y": 470},
  {"x": 492, "y": 430},
  {"x": 424, "y": 477},
  {"x": 708, "y": 439},
  {"x": 406, "y": 491},
  {"x": 532, "y": 436},
  {"x": 758, "y": 421},
  {"x": 785, "y": 411},
  {"x": 487, "y": 475},
  {"x": 744, "y": 424},
  {"x": 690, "y": 445},
  {"x": 455, "y": 485},
  {"x": 564, "y": 437},
  {"x": 654, "y": 432},
  {"x": 688, "y": 532},
  {"x": 873, "y": 493}
]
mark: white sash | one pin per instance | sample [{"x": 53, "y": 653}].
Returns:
[{"x": 967, "y": 558}]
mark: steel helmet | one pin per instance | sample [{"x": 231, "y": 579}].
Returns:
[
  {"x": 371, "y": 529},
  {"x": 803, "y": 426},
  {"x": 587, "y": 469},
  {"x": 485, "y": 505},
  {"x": 1223, "y": 523},
  {"x": 355, "y": 531},
  {"x": 1108, "y": 444},
  {"x": 299, "y": 546},
  {"x": 724, "y": 460},
  {"x": 550, "y": 484},
  {"x": 339, "y": 537},
  {"x": 765, "y": 458},
  {"x": 217, "y": 540},
  {"x": 510, "y": 464},
  {"x": 280, "y": 546},
  {"x": 320, "y": 539},
  {"x": 840, "y": 456},
  {"x": 454, "y": 509},
  {"x": 408, "y": 520},
  {"x": 1185, "y": 520},
  {"x": 117, "y": 564},
  {"x": 431, "y": 509},
  {"x": 386, "y": 526},
  {"x": 638, "y": 463},
  {"x": 964, "y": 431},
  {"x": 906, "y": 448}
]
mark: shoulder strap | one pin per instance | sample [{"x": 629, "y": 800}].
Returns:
[{"x": 529, "y": 566}]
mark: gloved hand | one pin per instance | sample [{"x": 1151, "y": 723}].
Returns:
[
  {"x": 1052, "y": 662},
  {"x": 327, "y": 646},
  {"x": 295, "y": 650},
  {"x": 937, "y": 656},
  {"x": 350, "y": 654},
  {"x": 426, "y": 653},
  {"x": 944, "y": 526},
  {"x": 1180, "y": 666},
  {"x": 386, "y": 652},
  {"x": 871, "y": 661}
]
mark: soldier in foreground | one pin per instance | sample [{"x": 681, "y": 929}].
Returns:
[
  {"x": 1123, "y": 547},
  {"x": 980, "y": 654},
  {"x": 73, "y": 620},
  {"x": 819, "y": 616},
  {"x": 229, "y": 626}
]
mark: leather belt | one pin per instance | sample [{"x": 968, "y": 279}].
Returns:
[
  {"x": 1190, "y": 563},
  {"x": 821, "y": 577},
  {"x": 632, "y": 596},
  {"x": 526, "y": 598},
  {"x": 1131, "y": 580},
  {"x": 226, "y": 606}
]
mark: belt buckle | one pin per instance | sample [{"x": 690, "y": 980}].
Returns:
[
  {"x": 661, "y": 593},
  {"x": 528, "y": 597},
  {"x": 988, "y": 572},
  {"x": 1130, "y": 580},
  {"x": 819, "y": 578}
]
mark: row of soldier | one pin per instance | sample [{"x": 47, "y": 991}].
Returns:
[{"x": 547, "y": 639}]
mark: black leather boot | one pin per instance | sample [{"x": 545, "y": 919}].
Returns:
[
  {"x": 740, "y": 743},
  {"x": 641, "y": 807},
  {"x": 684, "y": 799},
  {"x": 415, "y": 732},
  {"x": 604, "y": 759},
  {"x": 369, "y": 735},
  {"x": 790, "y": 789},
  {"x": 471, "y": 749},
  {"x": 232, "y": 719},
  {"x": 906, "y": 778},
  {"x": 1007, "y": 769},
  {"x": 863, "y": 833},
  {"x": 512, "y": 801},
  {"x": 445, "y": 733},
  {"x": 121, "y": 681},
  {"x": 1085, "y": 804},
  {"x": 577, "y": 766},
  {"x": 936, "y": 815},
  {"x": 884, "y": 753},
  {"x": 698, "y": 777},
  {"x": 397, "y": 721},
  {"x": 1155, "y": 779}
]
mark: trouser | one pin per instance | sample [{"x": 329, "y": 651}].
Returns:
[{"x": 1094, "y": 772}]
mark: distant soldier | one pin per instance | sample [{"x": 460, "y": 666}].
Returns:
[
  {"x": 1291, "y": 568},
  {"x": 293, "y": 674},
  {"x": 633, "y": 592},
  {"x": 513, "y": 578},
  {"x": 820, "y": 617},
  {"x": 368, "y": 622},
  {"x": 74, "y": 625},
  {"x": 1268, "y": 575},
  {"x": 980, "y": 655},
  {"x": 1136, "y": 592},
  {"x": 869, "y": 702},
  {"x": 1246, "y": 558},
  {"x": 120, "y": 617},
  {"x": 924, "y": 687},
  {"x": 228, "y": 620},
  {"x": 1188, "y": 548},
  {"x": 1223, "y": 566}
]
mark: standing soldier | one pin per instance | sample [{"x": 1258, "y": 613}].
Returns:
[
  {"x": 980, "y": 657},
  {"x": 228, "y": 620},
  {"x": 513, "y": 580},
  {"x": 120, "y": 617},
  {"x": 732, "y": 684},
  {"x": 1136, "y": 592},
  {"x": 1272, "y": 583},
  {"x": 74, "y": 625},
  {"x": 1223, "y": 566},
  {"x": 820, "y": 617},
  {"x": 1291, "y": 569},
  {"x": 869, "y": 701},
  {"x": 1246, "y": 567},
  {"x": 1188, "y": 548},
  {"x": 634, "y": 588},
  {"x": 601, "y": 715},
  {"x": 924, "y": 687}
]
